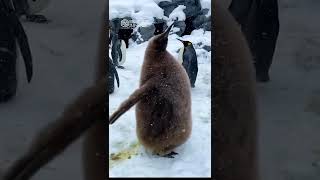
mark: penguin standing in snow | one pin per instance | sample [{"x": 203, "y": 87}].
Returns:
[
  {"x": 11, "y": 32},
  {"x": 29, "y": 8},
  {"x": 118, "y": 50},
  {"x": 111, "y": 74},
  {"x": 188, "y": 58}
]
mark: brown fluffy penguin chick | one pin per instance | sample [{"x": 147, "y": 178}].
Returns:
[
  {"x": 235, "y": 122},
  {"x": 163, "y": 110}
]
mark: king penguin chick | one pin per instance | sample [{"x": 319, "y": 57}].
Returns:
[
  {"x": 188, "y": 58},
  {"x": 163, "y": 110}
]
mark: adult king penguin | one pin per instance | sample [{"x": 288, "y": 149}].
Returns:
[
  {"x": 118, "y": 50},
  {"x": 188, "y": 58}
]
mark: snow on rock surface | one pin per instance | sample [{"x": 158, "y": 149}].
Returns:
[
  {"x": 178, "y": 14},
  {"x": 206, "y": 4},
  {"x": 141, "y": 11}
]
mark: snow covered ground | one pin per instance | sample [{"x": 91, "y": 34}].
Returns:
[
  {"x": 194, "y": 159},
  {"x": 290, "y": 103}
]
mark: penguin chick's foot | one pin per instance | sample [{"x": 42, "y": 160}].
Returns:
[
  {"x": 37, "y": 18},
  {"x": 170, "y": 155},
  {"x": 120, "y": 67}
]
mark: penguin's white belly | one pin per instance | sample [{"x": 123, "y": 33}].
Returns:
[
  {"x": 36, "y": 6},
  {"x": 123, "y": 52},
  {"x": 110, "y": 53},
  {"x": 180, "y": 57}
]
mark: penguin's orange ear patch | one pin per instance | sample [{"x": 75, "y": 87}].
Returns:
[{"x": 189, "y": 43}]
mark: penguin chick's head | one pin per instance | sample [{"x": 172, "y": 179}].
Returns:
[
  {"x": 185, "y": 43},
  {"x": 160, "y": 41}
]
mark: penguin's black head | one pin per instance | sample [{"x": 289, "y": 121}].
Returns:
[
  {"x": 185, "y": 43},
  {"x": 160, "y": 42}
]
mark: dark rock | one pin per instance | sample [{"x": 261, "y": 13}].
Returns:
[
  {"x": 202, "y": 21},
  {"x": 192, "y": 7},
  {"x": 195, "y": 19},
  {"x": 181, "y": 25},
  {"x": 146, "y": 32}
]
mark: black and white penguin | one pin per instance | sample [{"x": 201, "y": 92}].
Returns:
[
  {"x": 259, "y": 21},
  {"x": 118, "y": 50},
  {"x": 11, "y": 32},
  {"x": 111, "y": 74},
  {"x": 188, "y": 58},
  {"x": 29, "y": 8}
]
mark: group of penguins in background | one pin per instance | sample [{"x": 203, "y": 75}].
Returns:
[
  {"x": 11, "y": 33},
  {"x": 187, "y": 57}
]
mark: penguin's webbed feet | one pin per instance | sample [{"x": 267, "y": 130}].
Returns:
[
  {"x": 170, "y": 155},
  {"x": 37, "y": 18}
]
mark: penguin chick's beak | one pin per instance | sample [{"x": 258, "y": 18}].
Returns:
[{"x": 166, "y": 33}]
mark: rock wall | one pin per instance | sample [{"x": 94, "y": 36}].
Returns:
[{"x": 195, "y": 18}]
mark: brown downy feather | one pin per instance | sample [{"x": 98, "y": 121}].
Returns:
[{"x": 235, "y": 122}]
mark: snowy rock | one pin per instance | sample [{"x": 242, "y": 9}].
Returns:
[
  {"x": 202, "y": 21},
  {"x": 206, "y": 4},
  {"x": 153, "y": 16},
  {"x": 143, "y": 33},
  {"x": 181, "y": 25},
  {"x": 192, "y": 7},
  {"x": 177, "y": 14}
]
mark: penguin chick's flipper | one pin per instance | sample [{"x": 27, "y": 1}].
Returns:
[
  {"x": 133, "y": 99},
  {"x": 87, "y": 110},
  {"x": 24, "y": 45},
  {"x": 37, "y": 18}
]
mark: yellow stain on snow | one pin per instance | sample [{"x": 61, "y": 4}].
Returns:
[{"x": 116, "y": 158}]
